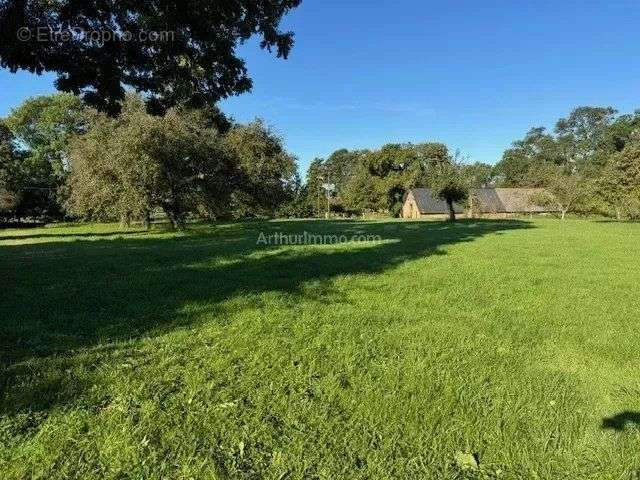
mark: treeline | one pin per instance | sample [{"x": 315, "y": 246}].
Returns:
[
  {"x": 62, "y": 160},
  {"x": 59, "y": 159},
  {"x": 376, "y": 181},
  {"x": 589, "y": 164}
]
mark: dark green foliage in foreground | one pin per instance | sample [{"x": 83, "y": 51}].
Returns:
[
  {"x": 478, "y": 349},
  {"x": 175, "y": 52}
]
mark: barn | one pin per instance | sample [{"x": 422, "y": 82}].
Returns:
[{"x": 499, "y": 202}]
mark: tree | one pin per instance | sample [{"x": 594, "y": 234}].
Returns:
[
  {"x": 267, "y": 173},
  {"x": 126, "y": 167},
  {"x": 43, "y": 127},
  {"x": 448, "y": 183},
  {"x": 296, "y": 206},
  {"x": 177, "y": 53},
  {"x": 339, "y": 165},
  {"x": 379, "y": 179},
  {"x": 9, "y": 173},
  {"x": 397, "y": 169},
  {"x": 581, "y": 136},
  {"x": 478, "y": 174},
  {"x": 563, "y": 190},
  {"x": 316, "y": 176},
  {"x": 365, "y": 192},
  {"x": 537, "y": 148},
  {"x": 619, "y": 184},
  {"x": 621, "y": 131}
]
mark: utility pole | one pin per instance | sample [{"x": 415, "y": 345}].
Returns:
[
  {"x": 329, "y": 187},
  {"x": 328, "y": 204}
]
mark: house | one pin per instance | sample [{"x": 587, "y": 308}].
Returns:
[{"x": 420, "y": 203}]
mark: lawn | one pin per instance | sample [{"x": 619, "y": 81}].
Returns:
[{"x": 206, "y": 354}]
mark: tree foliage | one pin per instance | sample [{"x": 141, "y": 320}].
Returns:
[
  {"x": 175, "y": 52},
  {"x": 581, "y": 165},
  {"x": 619, "y": 184},
  {"x": 314, "y": 192},
  {"x": 9, "y": 173},
  {"x": 268, "y": 174},
  {"x": 380, "y": 178},
  {"x": 581, "y": 137},
  {"x": 129, "y": 166},
  {"x": 563, "y": 191},
  {"x": 41, "y": 130},
  {"x": 448, "y": 182},
  {"x": 537, "y": 148},
  {"x": 478, "y": 174}
]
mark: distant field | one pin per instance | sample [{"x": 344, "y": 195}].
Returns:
[{"x": 126, "y": 354}]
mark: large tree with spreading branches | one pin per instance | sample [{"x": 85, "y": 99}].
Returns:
[{"x": 174, "y": 52}]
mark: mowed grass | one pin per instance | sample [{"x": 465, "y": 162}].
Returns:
[{"x": 130, "y": 354}]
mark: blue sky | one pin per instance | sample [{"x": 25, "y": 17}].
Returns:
[{"x": 474, "y": 75}]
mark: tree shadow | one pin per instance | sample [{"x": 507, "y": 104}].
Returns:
[
  {"x": 62, "y": 296},
  {"x": 621, "y": 222},
  {"x": 57, "y": 235},
  {"x": 621, "y": 421}
]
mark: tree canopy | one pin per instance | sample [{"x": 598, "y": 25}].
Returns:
[
  {"x": 9, "y": 172},
  {"x": 448, "y": 182},
  {"x": 174, "y": 52},
  {"x": 267, "y": 172},
  {"x": 127, "y": 167},
  {"x": 619, "y": 184},
  {"x": 39, "y": 132},
  {"x": 587, "y": 164}
]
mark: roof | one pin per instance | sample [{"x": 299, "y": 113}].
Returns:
[
  {"x": 428, "y": 204},
  {"x": 507, "y": 200},
  {"x": 486, "y": 200}
]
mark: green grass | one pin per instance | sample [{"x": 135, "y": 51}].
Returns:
[{"x": 126, "y": 354}]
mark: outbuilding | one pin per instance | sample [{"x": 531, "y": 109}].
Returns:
[{"x": 488, "y": 202}]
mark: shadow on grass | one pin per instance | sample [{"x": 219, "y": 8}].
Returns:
[
  {"x": 621, "y": 421},
  {"x": 621, "y": 222},
  {"x": 61, "y": 296},
  {"x": 56, "y": 235}
]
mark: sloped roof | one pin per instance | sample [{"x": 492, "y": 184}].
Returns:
[
  {"x": 508, "y": 200},
  {"x": 428, "y": 204},
  {"x": 486, "y": 200}
]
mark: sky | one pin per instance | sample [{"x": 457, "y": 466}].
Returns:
[{"x": 473, "y": 75}]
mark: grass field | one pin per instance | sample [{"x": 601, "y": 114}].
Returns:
[{"x": 127, "y": 354}]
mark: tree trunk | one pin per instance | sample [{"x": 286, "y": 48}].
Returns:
[
  {"x": 618, "y": 214},
  {"x": 452, "y": 212},
  {"x": 177, "y": 221},
  {"x": 146, "y": 220},
  {"x": 125, "y": 220},
  {"x": 564, "y": 213}
]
